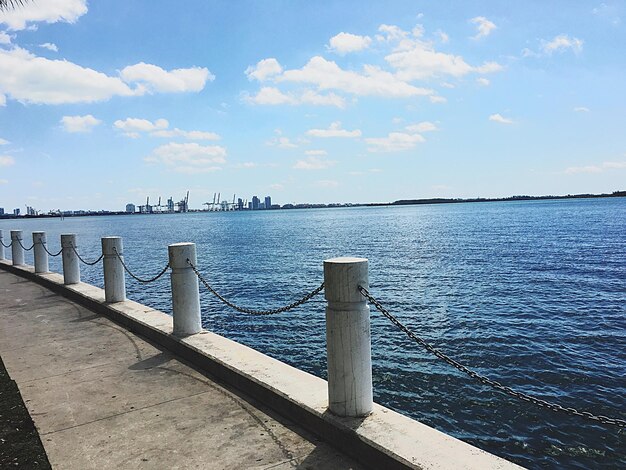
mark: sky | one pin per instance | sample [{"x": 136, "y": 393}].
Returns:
[{"x": 106, "y": 103}]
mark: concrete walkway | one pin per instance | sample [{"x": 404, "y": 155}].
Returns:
[{"x": 102, "y": 397}]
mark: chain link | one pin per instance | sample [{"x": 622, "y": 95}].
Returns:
[
  {"x": 6, "y": 246},
  {"x": 144, "y": 281},
  {"x": 89, "y": 263},
  {"x": 27, "y": 249},
  {"x": 249, "y": 311},
  {"x": 485, "y": 380},
  {"x": 51, "y": 254}
]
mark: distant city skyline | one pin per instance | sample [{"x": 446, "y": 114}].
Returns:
[{"x": 355, "y": 102}]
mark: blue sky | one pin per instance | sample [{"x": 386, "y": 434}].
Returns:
[{"x": 104, "y": 103}]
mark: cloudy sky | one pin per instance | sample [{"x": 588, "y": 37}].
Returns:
[{"x": 104, "y": 103}]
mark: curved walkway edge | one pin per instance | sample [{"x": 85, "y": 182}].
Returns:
[{"x": 298, "y": 400}]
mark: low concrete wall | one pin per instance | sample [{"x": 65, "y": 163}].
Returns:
[{"x": 384, "y": 439}]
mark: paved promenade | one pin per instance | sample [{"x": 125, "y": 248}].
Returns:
[{"x": 102, "y": 397}]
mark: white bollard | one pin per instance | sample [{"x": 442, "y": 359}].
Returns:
[
  {"x": 17, "y": 252},
  {"x": 1, "y": 246},
  {"x": 71, "y": 268},
  {"x": 185, "y": 293},
  {"x": 114, "y": 276},
  {"x": 40, "y": 254},
  {"x": 348, "y": 342}
]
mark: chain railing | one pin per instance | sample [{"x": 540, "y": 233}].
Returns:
[
  {"x": 51, "y": 254},
  {"x": 250, "y": 311},
  {"x": 6, "y": 246},
  {"x": 130, "y": 273},
  {"x": 485, "y": 380},
  {"x": 89, "y": 263},
  {"x": 26, "y": 249}
]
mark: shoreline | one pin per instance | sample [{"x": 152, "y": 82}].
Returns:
[{"x": 400, "y": 202}]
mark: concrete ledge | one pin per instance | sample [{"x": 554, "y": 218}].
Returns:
[{"x": 385, "y": 439}]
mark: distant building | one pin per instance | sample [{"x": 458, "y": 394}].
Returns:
[
  {"x": 30, "y": 210},
  {"x": 255, "y": 203},
  {"x": 240, "y": 204},
  {"x": 130, "y": 208},
  {"x": 268, "y": 202},
  {"x": 1, "y": 210},
  {"x": 170, "y": 204},
  {"x": 16, "y": 211},
  {"x": 261, "y": 206},
  {"x": 249, "y": 206}
]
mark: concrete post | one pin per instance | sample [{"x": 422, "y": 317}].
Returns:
[
  {"x": 1, "y": 246},
  {"x": 114, "y": 275},
  {"x": 348, "y": 341},
  {"x": 185, "y": 293},
  {"x": 17, "y": 252},
  {"x": 71, "y": 268},
  {"x": 40, "y": 255}
]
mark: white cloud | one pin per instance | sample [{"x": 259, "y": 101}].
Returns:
[
  {"x": 4, "y": 142},
  {"x": 264, "y": 69},
  {"x": 49, "y": 11},
  {"x": 343, "y": 43},
  {"x": 6, "y": 160},
  {"x": 438, "y": 99},
  {"x": 188, "y": 157},
  {"x": 154, "y": 78},
  {"x": 159, "y": 128},
  {"x": 273, "y": 96},
  {"x": 313, "y": 163},
  {"x": 418, "y": 61},
  {"x": 3, "y": 100},
  {"x": 562, "y": 43},
  {"x": 140, "y": 125},
  {"x": 501, "y": 119},
  {"x": 394, "y": 142},
  {"x": 334, "y": 130},
  {"x": 483, "y": 81},
  {"x": 269, "y": 96},
  {"x": 49, "y": 46},
  {"x": 425, "y": 126},
  {"x": 276, "y": 187},
  {"x": 2, "y": 181},
  {"x": 189, "y": 135},
  {"x": 32, "y": 79},
  {"x": 484, "y": 27},
  {"x": 596, "y": 168},
  {"x": 327, "y": 75},
  {"x": 443, "y": 37},
  {"x": 316, "y": 153},
  {"x": 5, "y": 38},
  {"x": 75, "y": 124},
  {"x": 282, "y": 142},
  {"x": 581, "y": 109},
  {"x": 391, "y": 33},
  {"x": 314, "y": 98}
]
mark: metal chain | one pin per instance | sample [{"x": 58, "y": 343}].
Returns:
[
  {"x": 51, "y": 254},
  {"x": 145, "y": 281},
  {"x": 87, "y": 262},
  {"x": 249, "y": 311},
  {"x": 27, "y": 249},
  {"x": 485, "y": 380},
  {"x": 6, "y": 246}
]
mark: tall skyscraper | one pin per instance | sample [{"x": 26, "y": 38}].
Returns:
[
  {"x": 268, "y": 202},
  {"x": 255, "y": 203}
]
